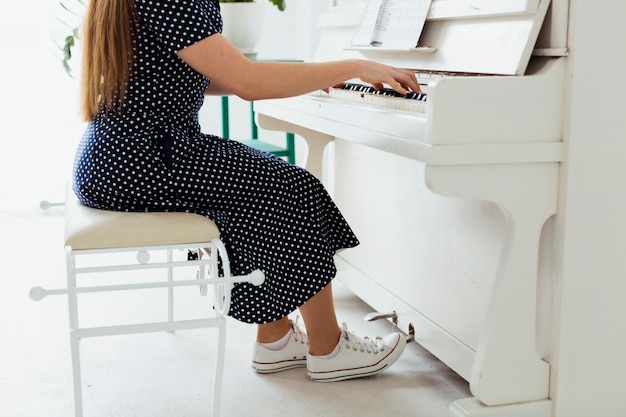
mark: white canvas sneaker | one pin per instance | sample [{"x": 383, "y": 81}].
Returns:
[
  {"x": 293, "y": 355},
  {"x": 356, "y": 357}
]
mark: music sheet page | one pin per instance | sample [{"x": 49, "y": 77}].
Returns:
[{"x": 392, "y": 24}]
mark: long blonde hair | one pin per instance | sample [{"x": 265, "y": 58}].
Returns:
[{"x": 109, "y": 31}]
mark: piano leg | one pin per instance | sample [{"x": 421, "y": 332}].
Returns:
[
  {"x": 316, "y": 141},
  {"x": 508, "y": 377},
  {"x": 474, "y": 408}
]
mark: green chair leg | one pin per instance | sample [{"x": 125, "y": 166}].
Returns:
[{"x": 288, "y": 151}]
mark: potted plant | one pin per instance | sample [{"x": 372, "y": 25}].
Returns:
[
  {"x": 243, "y": 23},
  {"x": 278, "y": 3},
  {"x": 235, "y": 31}
]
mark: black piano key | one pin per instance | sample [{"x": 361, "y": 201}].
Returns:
[{"x": 388, "y": 92}]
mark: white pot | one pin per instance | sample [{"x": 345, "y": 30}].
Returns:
[{"x": 243, "y": 24}]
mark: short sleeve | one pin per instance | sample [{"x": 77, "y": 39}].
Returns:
[{"x": 180, "y": 23}]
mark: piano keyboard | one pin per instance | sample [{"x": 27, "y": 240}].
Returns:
[{"x": 387, "y": 97}]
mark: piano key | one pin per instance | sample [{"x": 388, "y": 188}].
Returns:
[{"x": 385, "y": 97}]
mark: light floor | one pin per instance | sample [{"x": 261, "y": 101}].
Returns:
[{"x": 169, "y": 374}]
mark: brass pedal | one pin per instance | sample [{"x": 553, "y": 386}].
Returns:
[
  {"x": 394, "y": 319},
  {"x": 378, "y": 316}
]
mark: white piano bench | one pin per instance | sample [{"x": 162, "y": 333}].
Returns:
[{"x": 105, "y": 237}]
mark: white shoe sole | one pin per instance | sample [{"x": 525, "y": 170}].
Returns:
[
  {"x": 364, "y": 371},
  {"x": 268, "y": 368}
]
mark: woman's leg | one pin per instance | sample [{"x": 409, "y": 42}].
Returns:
[
  {"x": 270, "y": 332},
  {"x": 321, "y": 322}
]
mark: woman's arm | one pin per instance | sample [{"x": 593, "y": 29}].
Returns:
[
  {"x": 215, "y": 89},
  {"x": 218, "y": 60}
]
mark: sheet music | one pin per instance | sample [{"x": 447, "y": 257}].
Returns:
[{"x": 392, "y": 24}]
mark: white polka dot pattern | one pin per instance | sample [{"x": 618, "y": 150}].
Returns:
[{"x": 152, "y": 157}]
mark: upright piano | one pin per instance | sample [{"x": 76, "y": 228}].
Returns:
[{"x": 453, "y": 198}]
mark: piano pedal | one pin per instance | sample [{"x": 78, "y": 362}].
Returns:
[
  {"x": 378, "y": 316},
  {"x": 394, "y": 319},
  {"x": 411, "y": 334}
]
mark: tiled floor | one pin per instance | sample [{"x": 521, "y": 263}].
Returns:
[{"x": 169, "y": 374}]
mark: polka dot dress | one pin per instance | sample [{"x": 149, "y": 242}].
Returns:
[{"x": 152, "y": 157}]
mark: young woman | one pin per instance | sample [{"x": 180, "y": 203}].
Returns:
[{"x": 147, "y": 65}]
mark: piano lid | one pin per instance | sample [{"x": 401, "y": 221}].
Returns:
[{"x": 461, "y": 36}]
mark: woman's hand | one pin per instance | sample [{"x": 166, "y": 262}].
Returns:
[
  {"x": 401, "y": 80},
  {"x": 377, "y": 75}
]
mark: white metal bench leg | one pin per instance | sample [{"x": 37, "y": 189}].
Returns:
[
  {"x": 72, "y": 299},
  {"x": 76, "y": 374},
  {"x": 219, "y": 370},
  {"x": 221, "y": 290},
  {"x": 170, "y": 290},
  {"x": 74, "y": 339}
]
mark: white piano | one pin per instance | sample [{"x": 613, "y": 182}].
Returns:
[{"x": 473, "y": 208}]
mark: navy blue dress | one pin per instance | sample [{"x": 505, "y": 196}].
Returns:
[{"x": 152, "y": 156}]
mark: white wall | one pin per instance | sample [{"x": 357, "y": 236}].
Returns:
[{"x": 39, "y": 122}]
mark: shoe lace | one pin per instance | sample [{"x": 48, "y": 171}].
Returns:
[
  {"x": 299, "y": 335},
  {"x": 364, "y": 344}
]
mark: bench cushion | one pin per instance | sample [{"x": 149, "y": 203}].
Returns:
[{"x": 88, "y": 228}]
